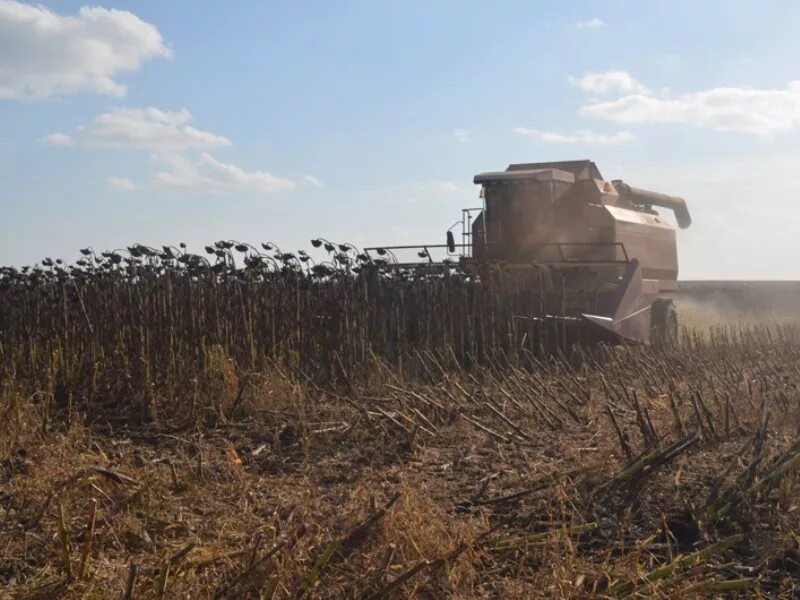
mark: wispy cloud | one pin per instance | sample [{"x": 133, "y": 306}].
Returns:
[
  {"x": 44, "y": 54},
  {"x": 60, "y": 139},
  {"x": 144, "y": 129},
  {"x": 176, "y": 145},
  {"x": 580, "y": 137},
  {"x": 311, "y": 181},
  {"x": 462, "y": 136},
  {"x": 435, "y": 186},
  {"x": 610, "y": 81},
  {"x": 121, "y": 183},
  {"x": 209, "y": 175},
  {"x": 417, "y": 191},
  {"x": 762, "y": 112},
  {"x": 594, "y": 23}
]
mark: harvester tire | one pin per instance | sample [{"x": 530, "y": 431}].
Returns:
[{"x": 664, "y": 323}]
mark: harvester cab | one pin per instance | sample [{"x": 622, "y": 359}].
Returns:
[{"x": 607, "y": 258}]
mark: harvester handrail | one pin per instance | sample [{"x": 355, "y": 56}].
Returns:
[
  {"x": 425, "y": 252},
  {"x": 425, "y": 248},
  {"x": 411, "y": 247}
]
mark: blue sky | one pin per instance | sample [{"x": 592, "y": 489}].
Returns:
[{"x": 160, "y": 122}]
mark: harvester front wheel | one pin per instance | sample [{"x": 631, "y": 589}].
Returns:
[{"x": 664, "y": 323}]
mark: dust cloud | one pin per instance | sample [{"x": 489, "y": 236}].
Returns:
[{"x": 705, "y": 304}]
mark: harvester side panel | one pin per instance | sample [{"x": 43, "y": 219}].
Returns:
[{"x": 650, "y": 239}]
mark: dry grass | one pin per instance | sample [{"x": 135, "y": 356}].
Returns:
[{"x": 427, "y": 488}]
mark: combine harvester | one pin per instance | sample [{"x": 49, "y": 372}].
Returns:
[{"x": 607, "y": 259}]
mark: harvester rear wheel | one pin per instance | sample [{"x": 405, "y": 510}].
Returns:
[{"x": 664, "y": 323}]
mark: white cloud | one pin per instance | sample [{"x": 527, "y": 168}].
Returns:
[
  {"x": 610, "y": 81},
  {"x": 121, "y": 183},
  {"x": 311, "y": 181},
  {"x": 737, "y": 109},
  {"x": 59, "y": 139},
  {"x": 44, "y": 54},
  {"x": 594, "y": 23},
  {"x": 174, "y": 143},
  {"x": 435, "y": 186},
  {"x": 144, "y": 129},
  {"x": 209, "y": 175},
  {"x": 581, "y": 137},
  {"x": 462, "y": 135}
]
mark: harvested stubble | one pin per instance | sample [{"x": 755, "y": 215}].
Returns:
[
  {"x": 661, "y": 472},
  {"x": 498, "y": 482}
]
